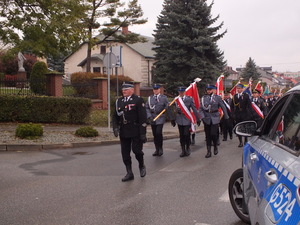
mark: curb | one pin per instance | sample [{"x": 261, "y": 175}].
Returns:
[{"x": 40, "y": 147}]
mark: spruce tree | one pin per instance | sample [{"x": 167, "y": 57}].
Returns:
[
  {"x": 250, "y": 71},
  {"x": 186, "y": 44}
]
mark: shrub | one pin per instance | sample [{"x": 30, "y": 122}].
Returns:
[
  {"x": 83, "y": 81},
  {"x": 44, "y": 109},
  {"x": 86, "y": 132},
  {"x": 29, "y": 131},
  {"x": 38, "y": 78}
]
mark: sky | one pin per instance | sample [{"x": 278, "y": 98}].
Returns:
[{"x": 268, "y": 31}]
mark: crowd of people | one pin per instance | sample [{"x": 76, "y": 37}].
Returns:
[{"x": 218, "y": 115}]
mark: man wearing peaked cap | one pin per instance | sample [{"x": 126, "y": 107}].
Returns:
[
  {"x": 241, "y": 108},
  {"x": 154, "y": 106},
  {"x": 184, "y": 124},
  {"x": 259, "y": 101},
  {"x": 210, "y": 115},
  {"x": 130, "y": 122}
]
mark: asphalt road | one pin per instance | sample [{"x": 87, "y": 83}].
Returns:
[{"x": 83, "y": 186}]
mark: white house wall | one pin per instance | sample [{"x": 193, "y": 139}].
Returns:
[
  {"x": 134, "y": 64},
  {"x": 73, "y": 60}
]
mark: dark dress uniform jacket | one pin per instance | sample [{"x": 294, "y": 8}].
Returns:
[
  {"x": 155, "y": 106},
  {"x": 241, "y": 107},
  {"x": 209, "y": 109},
  {"x": 130, "y": 116},
  {"x": 260, "y": 102},
  {"x": 181, "y": 119}
]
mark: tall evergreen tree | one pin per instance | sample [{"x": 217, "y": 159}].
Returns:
[
  {"x": 250, "y": 71},
  {"x": 187, "y": 44}
]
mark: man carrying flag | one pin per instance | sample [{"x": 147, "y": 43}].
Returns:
[
  {"x": 185, "y": 120},
  {"x": 192, "y": 91},
  {"x": 210, "y": 115},
  {"x": 259, "y": 107}
]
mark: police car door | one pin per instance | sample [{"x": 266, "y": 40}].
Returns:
[{"x": 271, "y": 189}]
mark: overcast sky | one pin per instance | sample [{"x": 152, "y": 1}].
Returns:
[{"x": 268, "y": 31}]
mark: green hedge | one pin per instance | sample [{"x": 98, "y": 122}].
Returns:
[{"x": 44, "y": 109}]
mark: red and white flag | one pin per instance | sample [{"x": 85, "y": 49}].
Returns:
[
  {"x": 259, "y": 87},
  {"x": 257, "y": 110},
  {"x": 220, "y": 86},
  {"x": 192, "y": 91},
  {"x": 233, "y": 90}
]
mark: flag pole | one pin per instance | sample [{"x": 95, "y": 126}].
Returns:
[{"x": 171, "y": 103}]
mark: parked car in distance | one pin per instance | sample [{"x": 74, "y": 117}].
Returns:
[{"x": 266, "y": 190}]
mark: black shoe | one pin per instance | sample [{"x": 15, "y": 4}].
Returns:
[
  {"x": 192, "y": 141},
  {"x": 143, "y": 171},
  {"x": 128, "y": 177},
  {"x": 216, "y": 150},
  {"x": 155, "y": 153},
  {"x": 224, "y": 139},
  {"x": 230, "y": 137},
  {"x": 208, "y": 155},
  {"x": 160, "y": 152},
  {"x": 240, "y": 145},
  {"x": 182, "y": 154}
]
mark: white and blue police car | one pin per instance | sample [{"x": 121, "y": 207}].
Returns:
[{"x": 266, "y": 190}]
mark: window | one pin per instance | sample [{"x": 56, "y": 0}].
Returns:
[
  {"x": 287, "y": 132},
  {"x": 96, "y": 69},
  {"x": 103, "y": 50}
]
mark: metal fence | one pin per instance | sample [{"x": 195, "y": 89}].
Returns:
[
  {"x": 22, "y": 87},
  {"x": 15, "y": 87},
  {"x": 88, "y": 90}
]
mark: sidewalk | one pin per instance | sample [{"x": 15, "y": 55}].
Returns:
[{"x": 63, "y": 136}]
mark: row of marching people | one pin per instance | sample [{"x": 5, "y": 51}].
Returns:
[{"x": 133, "y": 114}]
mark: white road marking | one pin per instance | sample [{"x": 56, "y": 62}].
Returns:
[{"x": 224, "y": 197}]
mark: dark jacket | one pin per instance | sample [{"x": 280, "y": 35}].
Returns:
[
  {"x": 130, "y": 117},
  {"x": 241, "y": 107}
]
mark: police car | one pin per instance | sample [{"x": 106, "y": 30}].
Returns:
[{"x": 266, "y": 190}]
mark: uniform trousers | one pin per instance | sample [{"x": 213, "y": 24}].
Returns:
[
  {"x": 134, "y": 144},
  {"x": 211, "y": 133},
  {"x": 157, "y": 131},
  {"x": 227, "y": 127},
  {"x": 185, "y": 135}
]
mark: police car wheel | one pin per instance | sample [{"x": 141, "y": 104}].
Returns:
[{"x": 236, "y": 195}]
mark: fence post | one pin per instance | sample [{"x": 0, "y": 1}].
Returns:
[
  {"x": 54, "y": 84},
  {"x": 102, "y": 90}
]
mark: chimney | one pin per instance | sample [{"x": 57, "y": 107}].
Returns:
[{"x": 125, "y": 30}]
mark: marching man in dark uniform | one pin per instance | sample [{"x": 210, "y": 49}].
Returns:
[
  {"x": 157, "y": 103},
  {"x": 184, "y": 123},
  {"x": 210, "y": 115},
  {"x": 129, "y": 121},
  {"x": 227, "y": 125},
  {"x": 241, "y": 106},
  {"x": 259, "y": 101}
]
